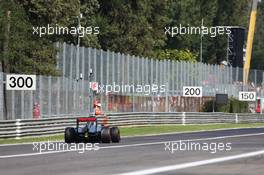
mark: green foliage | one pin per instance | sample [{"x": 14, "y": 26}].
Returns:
[
  {"x": 178, "y": 55},
  {"x": 258, "y": 47},
  {"x": 26, "y": 53},
  {"x": 133, "y": 27},
  {"x": 258, "y": 59},
  {"x": 233, "y": 106},
  {"x": 213, "y": 13},
  {"x": 63, "y": 13}
]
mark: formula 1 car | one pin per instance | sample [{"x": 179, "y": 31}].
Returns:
[{"x": 92, "y": 131}]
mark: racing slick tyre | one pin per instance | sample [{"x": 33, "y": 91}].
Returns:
[
  {"x": 115, "y": 134},
  {"x": 105, "y": 135},
  {"x": 69, "y": 135}
]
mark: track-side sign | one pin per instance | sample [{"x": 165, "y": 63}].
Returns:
[
  {"x": 20, "y": 82},
  {"x": 192, "y": 91},
  {"x": 94, "y": 86},
  {"x": 247, "y": 96}
]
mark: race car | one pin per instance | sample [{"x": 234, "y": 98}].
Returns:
[{"x": 92, "y": 131}]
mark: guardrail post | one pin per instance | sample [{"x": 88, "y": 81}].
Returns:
[
  {"x": 236, "y": 118},
  {"x": 183, "y": 118},
  {"x": 12, "y": 106},
  {"x": 18, "y": 127},
  {"x": 49, "y": 95}
]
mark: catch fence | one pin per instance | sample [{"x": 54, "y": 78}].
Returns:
[{"x": 130, "y": 84}]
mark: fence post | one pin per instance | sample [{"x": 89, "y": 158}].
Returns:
[
  {"x": 167, "y": 98},
  {"x": 177, "y": 78},
  {"x": 13, "y": 105},
  {"x": 58, "y": 96},
  {"x": 31, "y": 103},
  {"x": 133, "y": 81},
  {"x": 107, "y": 78},
  {"x": 137, "y": 83},
  {"x": 122, "y": 74},
  {"x": 101, "y": 77},
  {"x": 77, "y": 63},
  {"x": 128, "y": 58},
  {"x": 113, "y": 76},
  {"x": 166, "y": 78},
  {"x": 22, "y": 104},
  {"x": 152, "y": 83},
  {"x": 183, "y": 118},
  {"x": 18, "y": 127},
  {"x": 262, "y": 84},
  {"x": 64, "y": 60},
  {"x": 181, "y": 78},
  {"x": 1, "y": 97},
  {"x": 40, "y": 96},
  {"x": 118, "y": 69},
  {"x": 236, "y": 118},
  {"x": 71, "y": 62},
  {"x": 82, "y": 93},
  {"x": 172, "y": 75}
]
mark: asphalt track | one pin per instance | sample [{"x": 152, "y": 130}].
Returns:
[{"x": 145, "y": 155}]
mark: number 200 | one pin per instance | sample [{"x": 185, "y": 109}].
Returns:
[{"x": 192, "y": 91}]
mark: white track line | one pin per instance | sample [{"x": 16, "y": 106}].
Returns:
[
  {"x": 27, "y": 143},
  {"x": 131, "y": 145},
  {"x": 163, "y": 142},
  {"x": 33, "y": 154},
  {"x": 194, "y": 164}
]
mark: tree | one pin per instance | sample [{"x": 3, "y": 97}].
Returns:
[
  {"x": 213, "y": 13},
  {"x": 66, "y": 14},
  {"x": 29, "y": 53},
  {"x": 24, "y": 52},
  {"x": 177, "y": 55},
  {"x": 190, "y": 13},
  {"x": 258, "y": 47},
  {"x": 132, "y": 27},
  {"x": 229, "y": 13}
]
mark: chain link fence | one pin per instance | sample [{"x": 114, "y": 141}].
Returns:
[{"x": 68, "y": 94}]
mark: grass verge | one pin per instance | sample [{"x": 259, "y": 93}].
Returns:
[{"x": 144, "y": 130}]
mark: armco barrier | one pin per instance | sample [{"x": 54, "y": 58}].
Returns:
[{"x": 55, "y": 125}]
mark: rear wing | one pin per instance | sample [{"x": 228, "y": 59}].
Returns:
[{"x": 86, "y": 119}]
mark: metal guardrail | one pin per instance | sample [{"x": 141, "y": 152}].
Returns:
[{"x": 55, "y": 125}]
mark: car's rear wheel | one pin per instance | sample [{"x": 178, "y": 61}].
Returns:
[
  {"x": 105, "y": 135},
  {"x": 115, "y": 134},
  {"x": 69, "y": 135}
]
